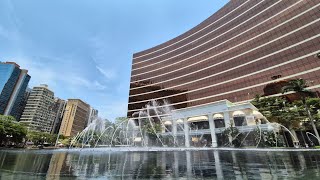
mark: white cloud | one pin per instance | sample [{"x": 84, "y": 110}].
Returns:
[
  {"x": 98, "y": 86},
  {"x": 77, "y": 80},
  {"x": 42, "y": 73},
  {"x": 107, "y": 73},
  {"x": 99, "y": 55}
]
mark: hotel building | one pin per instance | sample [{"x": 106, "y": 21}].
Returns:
[{"x": 230, "y": 57}]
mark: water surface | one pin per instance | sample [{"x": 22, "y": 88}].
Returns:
[{"x": 209, "y": 164}]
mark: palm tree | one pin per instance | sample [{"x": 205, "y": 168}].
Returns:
[{"x": 300, "y": 86}]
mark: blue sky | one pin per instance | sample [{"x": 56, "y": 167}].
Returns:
[{"x": 83, "y": 48}]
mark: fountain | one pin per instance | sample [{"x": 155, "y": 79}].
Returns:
[
  {"x": 123, "y": 150},
  {"x": 125, "y": 133},
  {"x": 308, "y": 133},
  {"x": 150, "y": 127}
]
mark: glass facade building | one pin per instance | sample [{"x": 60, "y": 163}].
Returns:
[
  {"x": 13, "y": 84},
  {"x": 231, "y": 55}
]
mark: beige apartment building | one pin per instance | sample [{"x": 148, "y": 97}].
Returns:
[
  {"x": 75, "y": 117},
  {"x": 38, "y": 114}
]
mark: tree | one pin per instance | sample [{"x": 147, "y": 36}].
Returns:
[
  {"x": 152, "y": 130},
  {"x": 231, "y": 136},
  {"x": 279, "y": 110},
  {"x": 11, "y": 131},
  {"x": 108, "y": 123},
  {"x": 120, "y": 120},
  {"x": 9, "y": 118},
  {"x": 299, "y": 86},
  {"x": 267, "y": 139},
  {"x": 314, "y": 104},
  {"x": 41, "y": 137}
]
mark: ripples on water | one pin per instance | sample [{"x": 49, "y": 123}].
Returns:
[{"x": 164, "y": 165}]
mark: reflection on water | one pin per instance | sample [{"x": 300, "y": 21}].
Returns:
[{"x": 145, "y": 165}]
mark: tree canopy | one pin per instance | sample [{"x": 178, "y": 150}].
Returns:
[
  {"x": 11, "y": 131},
  {"x": 41, "y": 137},
  {"x": 300, "y": 86},
  {"x": 280, "y": 110}
]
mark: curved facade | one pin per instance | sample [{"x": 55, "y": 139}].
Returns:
[{"x": 231, "y": 55}]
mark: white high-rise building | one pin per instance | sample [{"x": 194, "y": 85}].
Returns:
[{"x": 38, "y": 114}]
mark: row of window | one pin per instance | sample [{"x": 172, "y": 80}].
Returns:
[
  {"x": 286, "y": 70},
  {"x": 217, "y": 25},
  {"x": 265, "y": 26},
  {"x": 179, "y": 70}
]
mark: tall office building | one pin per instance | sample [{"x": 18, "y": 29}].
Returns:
[
  {"x": 93, "y": 114},
  {"x": 23, "y": 103},
  {"x": 58, "y": 109},
  {"x": 13, "y": 84},
  {"x": 75, "y": 117},
  {"x": 38, "y": 114},
  {"x": 232, "y": 55}
]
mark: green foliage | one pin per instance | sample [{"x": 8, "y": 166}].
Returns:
[
  {"x": 39, "y": 138},
  {"x": 8, "y": 118},
  {"x": 235, "y": 135},
  {"x": 93, "y": 141},
  {"x": 62, "y": 137},
  {"x": 119, "y": 120},
  {"x": 267, "y": 139},
  {"x": 66, "y": 141},
  {"x": 298, "y": 86},
  {"x": 291, "y": 114},
  {"x": 168, "y": 140},
  {"x": 151, "y": 130},
  {"x": 278, "y": 109},
  {"x": 11, "y": 131},
  {"x": 314, "y": 107},
  {"x": 108, "y": 123}
]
